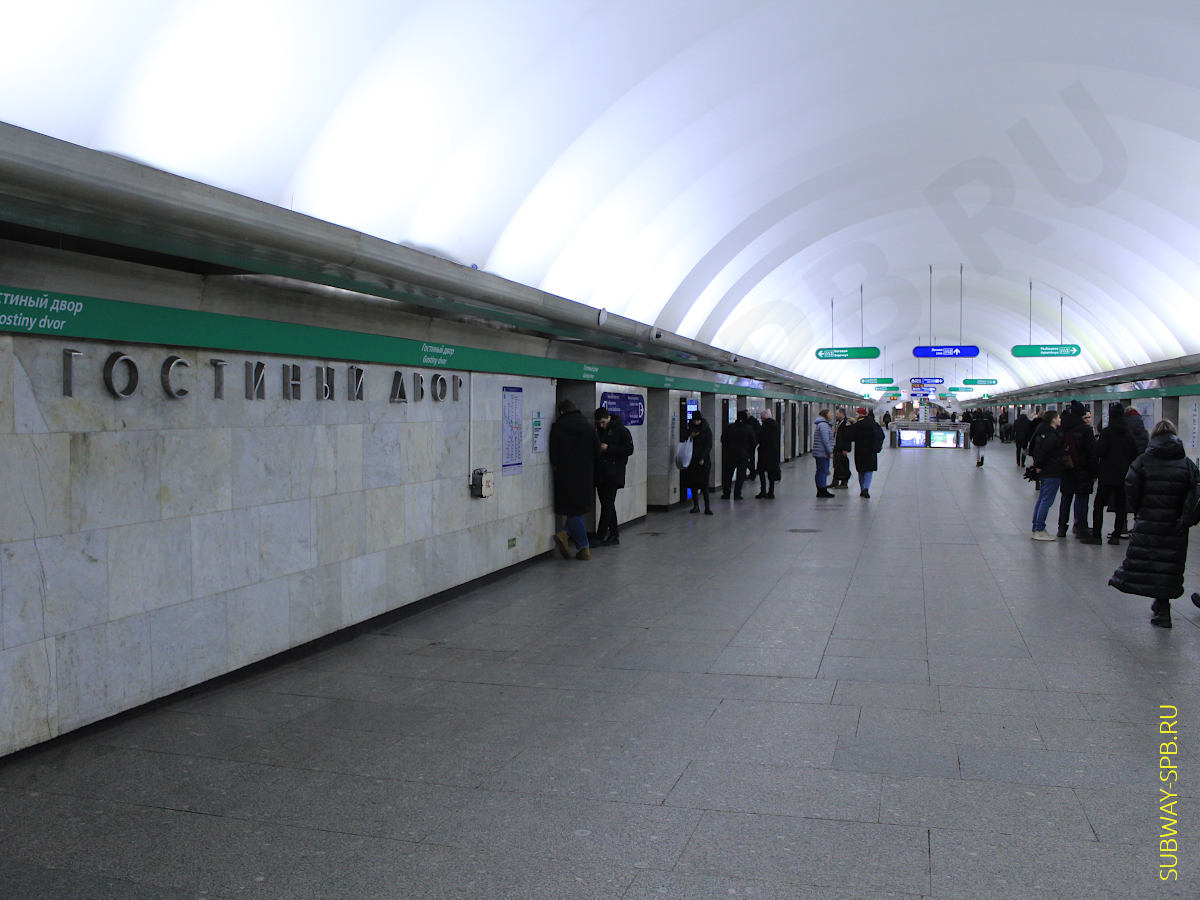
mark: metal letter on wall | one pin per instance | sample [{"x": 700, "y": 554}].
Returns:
[
  {"x": 354, "y": 387},
  {"x": 398, "y": 395},
  {"x": 69, "y": 371},
  {"x": 439, "y": 387},
  {"x": 457, "y": 382},
  {"x": 256, "y": 388},
  {"x": 418, "y": 386},
  {"x": 324, "y": 382},
  {"x": 218, "y": 378},
  {"x": 168, "y": 367},
  {"x": 131, "y": 369},
  {"x": 291, "y": 381}
]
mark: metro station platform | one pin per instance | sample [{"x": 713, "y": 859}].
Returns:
[{"x": 898, "y": 697}]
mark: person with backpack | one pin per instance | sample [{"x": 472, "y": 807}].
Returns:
[
  {"x": 981, "y": 433},
  {"x": 1079, "y": 462},
  {"x": 867, "y": 438},
  {"x": 1115, "y": 450}
]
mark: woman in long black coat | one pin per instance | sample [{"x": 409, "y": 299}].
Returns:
[
  {"x": 698, "y": 473},
  {"x": 574, "y": 449},
  {"x": 1156, "y": 487}
]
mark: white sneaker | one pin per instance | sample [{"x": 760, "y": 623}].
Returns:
[{"x": 1043, "y": 536}]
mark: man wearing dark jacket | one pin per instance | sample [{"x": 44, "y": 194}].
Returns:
[
  {"x": 768, "y": 456},
  {"x": 1115, "y": 450},
  {"x": 1022, "y": 431},
  {"x": 1046, "y": 451},
  {"x": 736, "y": 447},
  {"x": 1079, "y": 461},
  {"x": 574, "y": 449},
  {"x": 842, "y": 443},
  {"x": 616, "y": 446},
  {"x": 1137, "y": 427}
]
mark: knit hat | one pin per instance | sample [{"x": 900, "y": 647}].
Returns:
[
  {"x": 862, "y": 411},
  {"x": 1132, "y": 411}
]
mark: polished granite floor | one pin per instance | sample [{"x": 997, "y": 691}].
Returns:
[{"x": 896, "y": 697}]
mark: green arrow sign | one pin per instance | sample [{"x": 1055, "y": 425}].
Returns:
[
  {"x": 960, "y": 390},
  {"x": 1046, "y": 350},
  {"x": 979, "y": 381},
  {"x": 876, "y": 380},
  {"x": 848, "y": 353}
]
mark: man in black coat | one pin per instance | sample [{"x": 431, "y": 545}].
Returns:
[
  {"x": 768, "y": 456},
  {"x": 736, "y": 447},
  {"x": 1137, "y": 427},
  {"x": 842, "y": 443},
  {"x": 574, "y": 449},
  {"x": 1022, "y": 431},
  {"x": 616, "y": 446},
  {"x": 1079, "y": 461},
  {"x": 1115, "y": 450}
]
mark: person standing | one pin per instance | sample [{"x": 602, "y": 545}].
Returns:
[
  {"x": 1022, "y": 431},
  {"x": 698, "y": 473},
  {"x": 751, "y": 463},
  {"x": 1079, "y": 460},
  {"x": 1046, "y": 451},
  {"x": 1137, "y": 427},
  {"x": 1115, "y": 450},
  {"x": 616, "y": 446},
  {"x": 736, "y": 447},
  {"x": 822, "y": 451},
  {"x": 1157, "y": 486},
  {"x": 768, "y": 456},
  {"x": 981, "y": 433},
  {"x": 866, "y": 435},
  {"x": 841, "y": 449},
  {"x": 574, "y": 450}
]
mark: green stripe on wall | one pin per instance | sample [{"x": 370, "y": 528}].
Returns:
[{"x": 94, "y": 318}]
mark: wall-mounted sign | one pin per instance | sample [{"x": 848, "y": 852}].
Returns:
[
  {"x": 630, "y": 407},
  {"x": 926, "y": 380},
  {"x": 1046, "y": 350},
  {"x": 979, "y": 381},
  {"x": 876, "y": 380},
  {"x": 956, "y": 351},
  {"x": 848, "y": 353}
]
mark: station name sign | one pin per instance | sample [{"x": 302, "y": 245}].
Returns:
[{"x": 122, "y": 376}]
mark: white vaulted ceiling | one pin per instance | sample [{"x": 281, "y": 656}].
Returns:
[{"x": 728, "y": 170}]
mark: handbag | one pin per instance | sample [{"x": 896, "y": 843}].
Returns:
[{"x": 683, "y": 454}]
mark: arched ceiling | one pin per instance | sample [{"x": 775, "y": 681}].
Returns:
[{"x": 766, "y": 177}]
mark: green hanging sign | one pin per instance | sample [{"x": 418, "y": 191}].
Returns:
[
  {"x": 1046, "y": 350},
  {"x": 979, "y": 381},
  {"x": 877, "y": 381},
  {"x": 848, "y": 353}
]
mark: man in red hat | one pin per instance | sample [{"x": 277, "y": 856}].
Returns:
[{"x": 867, "y": 438}]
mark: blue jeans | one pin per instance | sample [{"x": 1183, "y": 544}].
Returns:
[
  {"x": 864, "y": 480},
  {"x": 822, "y": 471},
  {"x": 576, "y": 531},
  {"x": 1045, "y": 500}
]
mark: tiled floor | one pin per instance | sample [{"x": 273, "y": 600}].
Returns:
[{"x": 896, "y": 697}]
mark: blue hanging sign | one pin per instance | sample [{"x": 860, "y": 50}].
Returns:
[
  {"x": 926, "y": 380},
  {"x": 953, "y": 351},
  {"x": 630, "y": 407}
]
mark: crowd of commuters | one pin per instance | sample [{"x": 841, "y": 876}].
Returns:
[{"x": 1130, "y": 471}]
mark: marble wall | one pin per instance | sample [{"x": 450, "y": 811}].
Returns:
[{"x": 149, "y": 543}]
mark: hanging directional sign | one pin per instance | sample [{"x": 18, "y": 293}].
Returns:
[
  {"x": 979, "y": 381},
  {"x": 956, "y": 351},
  {"x": 962, "y": 389},
  {"x": 876, "y": 380},
  {"x": 926, "y": 380},
  {"x": 848, "y": 353},
  {"x": 1046, "y": 350}
]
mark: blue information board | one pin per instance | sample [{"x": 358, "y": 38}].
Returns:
[
  {"x": 954, "y": 351},
  {"x": 630, "y": 407}
]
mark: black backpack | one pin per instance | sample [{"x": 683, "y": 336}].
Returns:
[{"x": 1072, "y": 455}]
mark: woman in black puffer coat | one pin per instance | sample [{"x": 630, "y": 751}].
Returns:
[{"x": 1156, "y": 487}]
